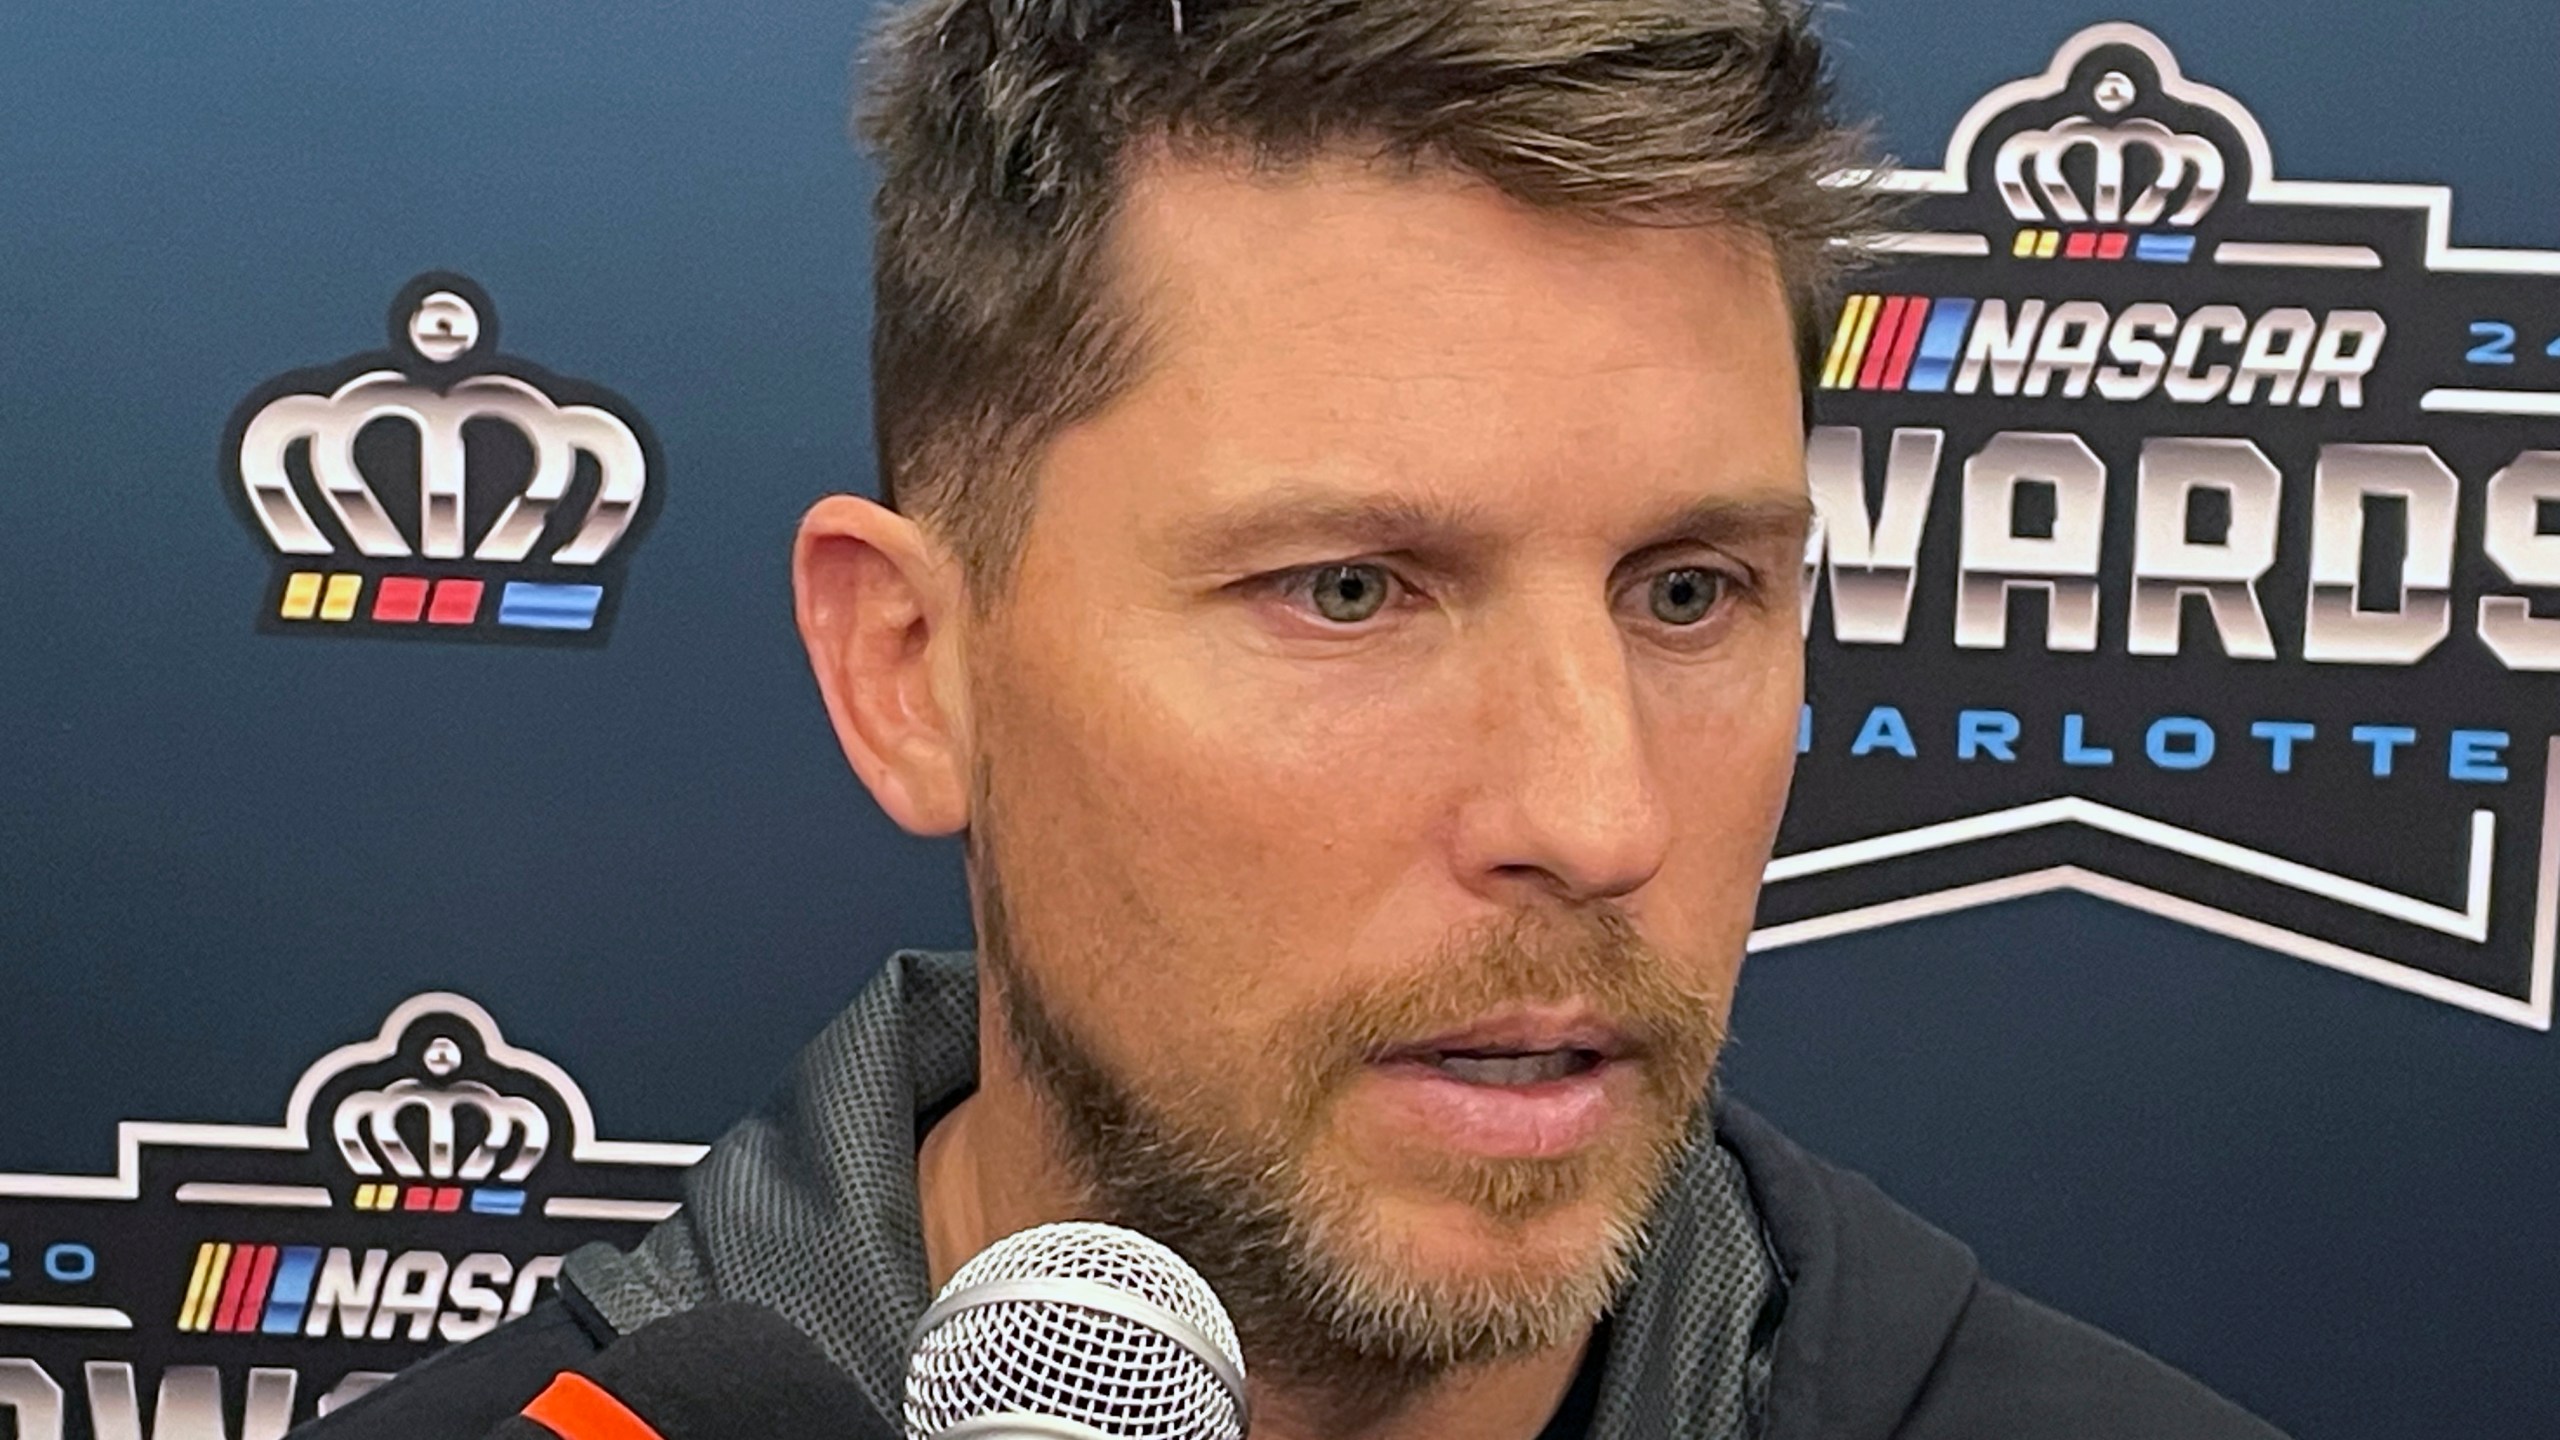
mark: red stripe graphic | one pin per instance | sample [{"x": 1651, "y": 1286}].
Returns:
[
  {"x": 454, "y": 602},
  {"x": 1880, "y": 350},
  {"x": 400, "y": 599},
  {"x": 253, "y": 1301},
  {"x": 237, "y": 1281},
  {"x": 1907, "y": 342}
]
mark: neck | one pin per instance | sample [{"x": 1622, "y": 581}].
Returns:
[
  {"x": 969, "y": 1204},
  {"x": 987, "y": 1170},
  {"x": 1509, "y": 1400}
]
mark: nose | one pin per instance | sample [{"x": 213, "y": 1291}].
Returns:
[{"x": 1569, "y": 807}]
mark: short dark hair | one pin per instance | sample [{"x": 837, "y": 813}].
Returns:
[{"x": 1004, "y": 130}]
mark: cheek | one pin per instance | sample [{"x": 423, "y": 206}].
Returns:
[
  {"x": 1727, "y": 746},
  {"x": 1263, "y": 793},
  {"x": 1192, "y": 841}
]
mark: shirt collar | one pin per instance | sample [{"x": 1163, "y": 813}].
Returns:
[{"x": 809, "y": 1207}]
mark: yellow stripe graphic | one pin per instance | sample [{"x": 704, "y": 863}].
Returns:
[
  {"x": 1860, "y": 319},
  {"x": 195, "y": 1287},
  {"x": 2048, "y": 244},
  {"x": 202, "y": 1319},
  {"x": 301, "y": 595},
  {"x": 340, "y": 602},
  {"x": 1840, "y": 341},
  {"x": 1857, "y": 356}
]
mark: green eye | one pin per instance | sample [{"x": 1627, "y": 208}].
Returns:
[
  {"x": 1348, "y": 594},
  {"x": 1686, "y": 596}
]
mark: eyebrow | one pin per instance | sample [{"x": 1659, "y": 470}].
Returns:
[
  {"x": 1772, "y": 513},
  {"x": 1290, "y": 515}
]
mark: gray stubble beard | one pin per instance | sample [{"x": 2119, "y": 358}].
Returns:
[{"x": 1294, "y": 1260}]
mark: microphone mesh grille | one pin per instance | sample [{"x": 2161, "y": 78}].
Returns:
[{"x": 1053, "y": 1358}]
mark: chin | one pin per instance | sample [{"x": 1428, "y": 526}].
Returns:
[
  {"x": 1434, "y": 1284},
  {"x": 1457, "y": 1242}
]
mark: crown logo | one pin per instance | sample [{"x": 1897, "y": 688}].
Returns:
[
  {"x": 439, "y": 488},
  {"x": 367, "y": 1129},
  {"x": 2029, "y": 167}
]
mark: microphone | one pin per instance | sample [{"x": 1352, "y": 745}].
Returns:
[
  {"x": 1076, "y": 1331},
  {"x": 730, "y": 1371}
]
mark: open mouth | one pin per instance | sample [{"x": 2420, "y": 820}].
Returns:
[
  {"x": 1524, "y": 1084},
  {"x": 1525, "y": 1047},
  {"x": 1513, "y": 1067}
]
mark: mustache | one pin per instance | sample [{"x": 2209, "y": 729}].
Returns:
[{"x": 1589, "y": 956}]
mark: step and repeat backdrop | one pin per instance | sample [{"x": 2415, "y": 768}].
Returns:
[{"x": 418, "y": 836}]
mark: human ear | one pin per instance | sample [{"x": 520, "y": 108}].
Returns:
[{"x": 878, "y": 604}]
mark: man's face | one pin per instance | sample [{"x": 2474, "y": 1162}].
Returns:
[{"x": 1383, "y": 735}]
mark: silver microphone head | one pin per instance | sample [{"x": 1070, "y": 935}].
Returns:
[{"x": 1076, "y": 1330}]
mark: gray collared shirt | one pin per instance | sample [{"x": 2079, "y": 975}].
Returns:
[{"x": 809, "y": 1206}]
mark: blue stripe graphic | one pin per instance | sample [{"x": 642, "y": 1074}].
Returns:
[
  {"x": 2165, "y": 249},
  {"x": 1935, "y": 361},
  {"x": 491, "y": 1201},
  {"x": 295, "y": 1265},
  {"x": 532, "y": 605}
]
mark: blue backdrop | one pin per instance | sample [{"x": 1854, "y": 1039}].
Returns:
[{"x": 222, "y": 852}]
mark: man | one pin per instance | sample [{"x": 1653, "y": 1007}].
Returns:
[{"x": 1340, "y": 571}]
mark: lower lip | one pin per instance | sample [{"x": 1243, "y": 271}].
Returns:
[{"x": 1507, "y": 1122}]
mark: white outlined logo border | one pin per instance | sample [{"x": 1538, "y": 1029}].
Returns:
[{"x": 2534, "y": 1010}]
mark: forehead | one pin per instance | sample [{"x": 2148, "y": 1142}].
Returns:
[
  {"x": 1354, "y": 324},
  {"x": 1337, "y": 216}
]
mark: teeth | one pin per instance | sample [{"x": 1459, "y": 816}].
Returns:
[{"x": 1513, "y": 1069}]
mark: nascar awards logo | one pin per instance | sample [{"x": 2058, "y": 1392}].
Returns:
[
  {"x": 2190, "y": 536},
  {"x": 235, "y": 1280},
  {"x": 440, "y": 489}
]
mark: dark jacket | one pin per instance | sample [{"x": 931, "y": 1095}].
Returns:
[{"x": 1874, "y": 1325}]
